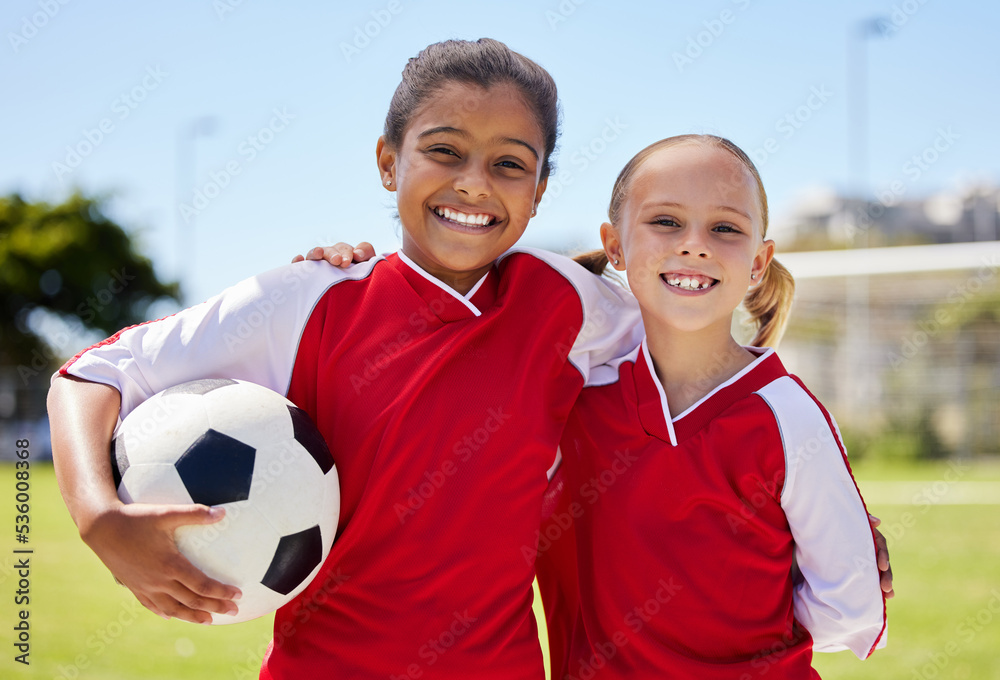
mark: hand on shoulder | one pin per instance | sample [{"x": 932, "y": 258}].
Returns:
[{"x": 340, "y": 255}]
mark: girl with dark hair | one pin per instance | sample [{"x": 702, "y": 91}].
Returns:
[{"x": 440, "y": 376}]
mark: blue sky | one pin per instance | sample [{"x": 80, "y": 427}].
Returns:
[{"x": 97, "y": 95}]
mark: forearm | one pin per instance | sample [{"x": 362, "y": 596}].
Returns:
[{"x": 82, "y": 417}]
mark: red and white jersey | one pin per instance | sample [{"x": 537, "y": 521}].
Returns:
[
  {"x": 443, "y": 413},
  {"x": 686, "y": 530}
]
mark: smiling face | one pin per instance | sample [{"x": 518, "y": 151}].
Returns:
[
  {"x": 467, "y": 178},
  {"x": 690, "y": 235}
]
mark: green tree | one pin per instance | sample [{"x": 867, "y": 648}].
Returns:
[{"x": 71, "y": 260}]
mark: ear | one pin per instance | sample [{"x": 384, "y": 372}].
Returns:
[
  {"x": 613, "y": 246},
  {"x": 539, "y": 190},
  {"x": 765, "y": 253},
  {"x": 385, "y": 156}
]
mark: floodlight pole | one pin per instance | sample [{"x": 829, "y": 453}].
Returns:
[
  {"x": 858, "y": 391},
  {"x": 186, "y": 168}
]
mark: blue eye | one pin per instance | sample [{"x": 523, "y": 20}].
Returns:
[
  {"x": 726, "y": 229},
  {"x": 666, "y": 222}
]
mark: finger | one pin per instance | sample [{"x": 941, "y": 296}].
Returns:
[
  {"x": 882, "y": 557},
  {"x": 316, "y": 253},
  {"x": 346, "y": 253},
  {"x": 297, "y": 258},
  {"x": 364, "y": 251},
  {"x": 148, "y": 604},
  {"x": 194, "y": 582},
  {"x": 195, "y": 590},
  {"x": 881, "y": 552},
  {"x": 875, "y": 521},
  {"x": 331, "y": 254},
  {"x": 177, "y": 610},
  {"x": 173, "y": 516},
  {"x": 886, "y": 583},
  {"x": 193, "y": 602}
]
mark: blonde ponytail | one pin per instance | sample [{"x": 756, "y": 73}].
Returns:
[
  {"x": 770, "y": 304},
  {"x": 596, "y": 261}
]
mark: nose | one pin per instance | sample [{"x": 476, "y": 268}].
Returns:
[
  {"x": 474, "y": 181},
  {"x": 693, "y": 243}
]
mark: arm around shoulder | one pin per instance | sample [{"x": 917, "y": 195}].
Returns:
[{"x": 612, "y": 325}]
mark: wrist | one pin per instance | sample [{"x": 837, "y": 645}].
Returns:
[{"x": 94, "y": 515}]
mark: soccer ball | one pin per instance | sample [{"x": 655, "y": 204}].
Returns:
[{"x": 240, "y": 446}]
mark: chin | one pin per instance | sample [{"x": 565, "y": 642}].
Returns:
[{"x": 462, "y": 259}]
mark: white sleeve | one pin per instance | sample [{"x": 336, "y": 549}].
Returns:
[
  {"x": 250, "y": 331},
  {"x": 612, "y": 325},
  {"x": 839, "y": 600}
]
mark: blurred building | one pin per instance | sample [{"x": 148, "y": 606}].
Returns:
[{"x": 823, "y": 220}]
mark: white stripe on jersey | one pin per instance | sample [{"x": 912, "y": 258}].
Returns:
[
  {"x": 464, "y": 299},
  {"x": 834, "y": 549}
]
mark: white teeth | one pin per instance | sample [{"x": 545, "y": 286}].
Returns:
[
  {"x": 688, "y": 283},
  {"x": 472, "y": 220}
]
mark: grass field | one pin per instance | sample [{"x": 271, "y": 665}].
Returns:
[{"x": 944, "y": 623}]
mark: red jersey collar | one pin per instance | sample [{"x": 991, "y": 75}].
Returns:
[
  {"x": 654, "y": 412},
  {"x": 442, "y": 300}
]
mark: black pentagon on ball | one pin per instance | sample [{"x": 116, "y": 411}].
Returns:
[
  {"x": 297, "y": 555},
  {"x": 217, "y": 469},
  {"x": 198, "y": 386},
  {"x": 119, "y": 460},
  {"x": 312, "y": 441}
]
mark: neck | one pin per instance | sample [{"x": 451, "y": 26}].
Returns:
[
  {"x": 459, "y": 281},
  {"x": 690, "y": 364}
]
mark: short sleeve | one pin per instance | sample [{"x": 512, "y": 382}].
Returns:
[{"x": 248, "y": 332}]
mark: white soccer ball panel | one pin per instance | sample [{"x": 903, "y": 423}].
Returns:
[
  {"x": 288, "y": 487},
  {"x": 161, "y": 427},
  {"x": 221, "y": 549},
  {"x": 253, "y": 414},
  {"x": 153, "y": 483}
]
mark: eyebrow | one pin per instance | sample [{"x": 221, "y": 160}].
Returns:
[
  {"x": 462, "y": 133},
  {"x": 671, "y": 204}
]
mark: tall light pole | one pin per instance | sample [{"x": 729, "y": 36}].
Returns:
[
  {"x": 857, "y": 374},
  {"x": 186, "y": 168}
]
